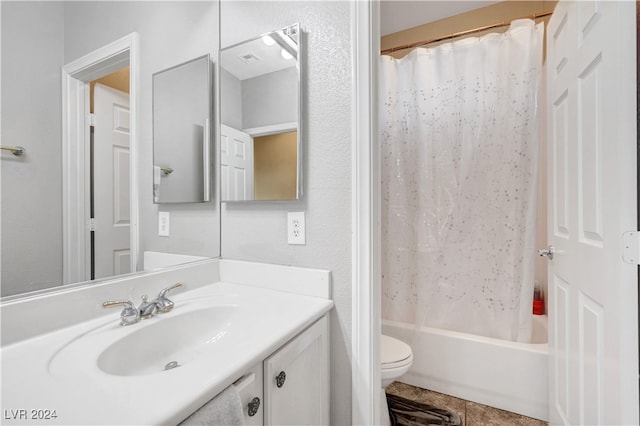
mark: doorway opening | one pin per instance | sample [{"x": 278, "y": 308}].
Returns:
[{"x": 109, "y": 175}]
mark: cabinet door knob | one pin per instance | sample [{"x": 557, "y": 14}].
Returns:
[
  {"x": 280, "y": 378},
  {"x": 254, "y": 405}
]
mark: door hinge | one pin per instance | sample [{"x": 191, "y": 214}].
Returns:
[
  {"x": 92, "y": 119},
  {"x": 631, "y": 247},
  {"x": 92, "y": 224}
]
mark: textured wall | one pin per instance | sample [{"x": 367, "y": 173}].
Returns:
[
  {"x": 193, "y": 32},
  {"x": 32, "y": 56},
  {"x": 257, "y": 231}
]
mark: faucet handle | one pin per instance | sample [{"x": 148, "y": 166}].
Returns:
[
  {"x": 163, "y": 303},
  {"x": 129, "y": 315},
  {"x": 164, "y": 291}
]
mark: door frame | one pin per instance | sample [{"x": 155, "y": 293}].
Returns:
[
  {"x": 76, "y": 76},
  {"x": 366, "y": 277},
  {"x": 272, "y": 129}
]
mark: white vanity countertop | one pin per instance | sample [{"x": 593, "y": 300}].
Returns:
[{"x": 59, "y": 370}]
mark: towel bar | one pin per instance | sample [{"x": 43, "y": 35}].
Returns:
[
  {"x": 244, "y": 381},
  {"x": 15, "y": 150}
]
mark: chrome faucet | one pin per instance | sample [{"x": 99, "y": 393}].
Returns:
[
  {"x": 163, "y": 303},
  {"x": 147, "y": 309},
  {"x": 129, "y": 315}
]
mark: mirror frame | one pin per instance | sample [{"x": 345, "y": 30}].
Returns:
[
  {"x": 297, "y": 31},
  {"x": 207, "y": 161}
]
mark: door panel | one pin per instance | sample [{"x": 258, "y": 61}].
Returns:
[
  {"x": 593, "y": 333},
  {"x": 121, "y": 179},
  {"x": 236, "y": 158},
  {"x": 560, "y": 360},
  {"x": 560, "y": 167},
  {"x": 589, "y": 93},
  {"x": 590, "y": 352},
  {"x": 111, "y": 188}
]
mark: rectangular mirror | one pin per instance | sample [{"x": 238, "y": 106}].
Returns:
[
  {"x": 260, "y": 148},
  {"x": 182, "y": 133}
]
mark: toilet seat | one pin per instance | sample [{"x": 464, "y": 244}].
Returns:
[
  {"x": 395, "y": 360},
  {"x": 398, "y": 364},
  {"x": 394, "y": 353}
]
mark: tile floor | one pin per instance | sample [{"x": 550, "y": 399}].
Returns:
[{"x": 471, "y": 413}]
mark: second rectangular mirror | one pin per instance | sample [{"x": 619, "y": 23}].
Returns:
[
  {"x": 260, "y": 155},
  {"x": 181, "y": 133}
]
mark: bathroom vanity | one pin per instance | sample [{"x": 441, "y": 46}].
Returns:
[
  {"x": 291, "y": 386},
  {"x": 261, "y": 328}
]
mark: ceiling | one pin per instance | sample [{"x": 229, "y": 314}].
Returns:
[
  {"x": 253, "y": 58},
  {"x": 398, "y": 15},
  {"x": 262, "y": 55}
]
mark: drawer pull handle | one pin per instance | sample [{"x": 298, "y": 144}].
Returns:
[
  {"x": 280, "y": 378},
  {"x": 254, "y": 405}
]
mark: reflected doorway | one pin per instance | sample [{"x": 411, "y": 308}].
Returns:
[
  {"x": 87, "y": 160},
  {"x": 109, "y": 175},
  {"x": 275, "y": 161}
]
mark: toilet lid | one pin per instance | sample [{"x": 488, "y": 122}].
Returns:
[{"x": 393, "y": 352}]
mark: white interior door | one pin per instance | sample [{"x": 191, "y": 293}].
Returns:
[
  {"x": 236, "y": 164},
  {"x": 593, "y": 300},
  {"x": 111, "y": 182}
]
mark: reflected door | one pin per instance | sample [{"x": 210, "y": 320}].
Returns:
[
  {"x": 111, "y": 182},
  {"x": 236, "y": 164}
]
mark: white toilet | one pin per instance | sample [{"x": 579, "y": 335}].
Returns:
[{"x": 395, "y": 358}]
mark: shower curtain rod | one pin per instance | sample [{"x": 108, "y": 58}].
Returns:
[{"x": 462, "y": 33}]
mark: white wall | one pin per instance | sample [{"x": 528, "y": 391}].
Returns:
[
  {"x": 170, "y": 33},
  {"x": 270, "y": 99},
  {"x": 257, "y": 231},
  {"x": 181, "y": 107},
  {"x": 231, "y": 97},
  {"x": 32, "y": 56}
]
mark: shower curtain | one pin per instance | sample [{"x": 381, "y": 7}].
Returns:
[{"x": 459, "y": 134}]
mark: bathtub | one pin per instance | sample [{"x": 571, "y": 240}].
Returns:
[{"x": 507, "y": 375}]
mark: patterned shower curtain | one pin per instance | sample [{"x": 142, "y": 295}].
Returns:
[{"x": 459, "y": 130}]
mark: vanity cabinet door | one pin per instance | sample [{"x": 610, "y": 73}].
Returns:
[
  {"x": 296, "y": 386},
  {"x": 250, "y": 388}
]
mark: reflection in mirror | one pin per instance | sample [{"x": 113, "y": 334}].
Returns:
[
  {"x": 52, "y": 53},
  {"x": 260, "y": 148},
  {"x": 181, "y": 133},
  {"x": 67, "y": 211}
]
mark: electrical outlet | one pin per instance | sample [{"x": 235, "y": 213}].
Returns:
[
  {"x": 163, "y": 224},
  {"x": 295, "y": 228}
]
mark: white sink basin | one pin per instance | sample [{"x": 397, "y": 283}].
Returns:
[
  {"x": 171, "y": 341},
  {"x": 189, "y": 333}
]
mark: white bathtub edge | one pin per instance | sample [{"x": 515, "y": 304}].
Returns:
[{"x": 493, "y": 376}]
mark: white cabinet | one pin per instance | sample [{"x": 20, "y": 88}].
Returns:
[
  {"x": 296, "y": 379},
  {"x": 249, "y": 389},
  {"x": 291, "y": 387}
]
